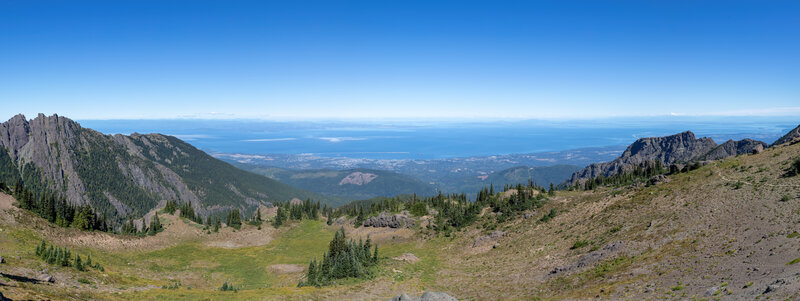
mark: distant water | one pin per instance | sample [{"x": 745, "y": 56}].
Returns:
[{"x": 427, "y": 140}]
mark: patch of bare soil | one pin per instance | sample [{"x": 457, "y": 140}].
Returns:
[
  {"x": 407, "y": 257},
  {"x": 248, "y": 236},
  {"x": 287, "y": 268},
  {"x": 380, "y": 234},
  {"x": 175, "y": 231}
]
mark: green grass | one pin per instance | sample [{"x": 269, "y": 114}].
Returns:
[
  {"x": 796, "y": 260},
  {"x": 579, "y": 244},
  {"x": 247, "y": 267}
]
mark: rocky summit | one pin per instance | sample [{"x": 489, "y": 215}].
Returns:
[
  {"x": 681, "y": 148},
  {"x": 123, "y": 175}
]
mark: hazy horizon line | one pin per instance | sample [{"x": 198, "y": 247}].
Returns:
[{"x": 779, "y": 112}]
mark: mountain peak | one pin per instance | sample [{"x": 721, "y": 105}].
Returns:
[{"x": 682, "y": 147}]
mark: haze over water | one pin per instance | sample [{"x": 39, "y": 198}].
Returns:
[{"x": 428, "y": 140}]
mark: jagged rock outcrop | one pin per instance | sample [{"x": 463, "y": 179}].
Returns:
[
  {"x": 385, "y": 219},
  {"x": 733, "y": 148},
  {"x": 127, "y": 175},
  {"x": 792, "y": 137},
  {"x": 427, "y": 296},
  {"x": 682, "y": 147},
  {"x": 658, "y": 179},
  {"x": 678, "y": 149}
]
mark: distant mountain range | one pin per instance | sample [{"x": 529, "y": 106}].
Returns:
[
  {"x": 128, "y": 175},
  {"x": 353, "y": 184}
]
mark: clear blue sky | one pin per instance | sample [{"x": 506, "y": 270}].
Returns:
[{"x": 403, "y": 59}]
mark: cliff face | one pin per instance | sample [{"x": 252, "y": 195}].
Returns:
[
  {"x": 129, "y": 175},
  {"x": 679, "y": 148}
]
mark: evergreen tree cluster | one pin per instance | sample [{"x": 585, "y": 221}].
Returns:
[
  {"x": 170, "y": 207},
  {"x": 524, "y": 199},
  {"x": 344, "y": 259},
  {"x": 288, "y": 211},
  {"x": 452, "y": 211},
  {"x": 57, "y": 210},
  {"x": 155, "y": 226},
  {"x": 63, "y": 257},
  {"x": 234, "y": 219},
  {"x": 226, "y": 287}
]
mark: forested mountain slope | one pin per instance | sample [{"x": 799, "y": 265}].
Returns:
[{"x": 126, "y": 175}]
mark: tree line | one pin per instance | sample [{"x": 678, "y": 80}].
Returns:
[{"x": 451, "y": 212}]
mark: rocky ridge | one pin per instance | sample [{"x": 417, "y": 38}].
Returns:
[
  {"x": 681, "y": 148},
  {"x": 792, "y": 136},
  {"x": 127, "y": 175}
]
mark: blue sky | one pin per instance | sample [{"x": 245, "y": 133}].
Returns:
[{"x": 398, "y": 59}]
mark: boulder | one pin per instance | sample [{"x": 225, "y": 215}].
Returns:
[
  {"x": 46, "y": 278},
  {"x": 386, "y": 219},
  {"x": 658, "y": 179},
  {"x": 774, "y": 286},
  {"x": 2, "y": 260}
]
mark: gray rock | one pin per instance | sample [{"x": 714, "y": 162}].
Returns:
[
  {"x": 436, "y": 296},
  {"x": 427, "y": 296},
  {"x": 46, "y": 278},
  {"x": 774, "y": 286},
  {"x": 2, "y": 260},
  {"x": 385, "y": 219},
  {"x": 659, "y": 179},
  {"x": 710, "y": 292}
]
